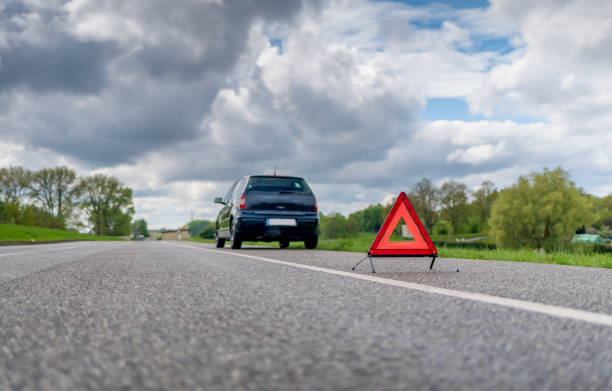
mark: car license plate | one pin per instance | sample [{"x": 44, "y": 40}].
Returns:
[{"x": 282, "y": 222}]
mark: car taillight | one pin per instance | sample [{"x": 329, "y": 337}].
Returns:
[
  {"x": 242, "y": 202},
  {"x": 316, "y": 208}
]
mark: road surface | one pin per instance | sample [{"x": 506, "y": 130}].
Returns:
[{"x": 183, "y": 315}]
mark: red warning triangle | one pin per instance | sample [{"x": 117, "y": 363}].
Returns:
[{"x": 420, "y": 246}]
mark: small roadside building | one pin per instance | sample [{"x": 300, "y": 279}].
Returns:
[{"x": 175, "y": 234}]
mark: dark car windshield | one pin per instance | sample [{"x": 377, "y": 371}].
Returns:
[{"x": 278, "y": 184}]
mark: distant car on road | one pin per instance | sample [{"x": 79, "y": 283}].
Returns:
[
  {"x": 268, "y": 208},
  {"x": 585, "y": 238}
]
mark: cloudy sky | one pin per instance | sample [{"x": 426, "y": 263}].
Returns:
[{"x": 362, "y": 98}]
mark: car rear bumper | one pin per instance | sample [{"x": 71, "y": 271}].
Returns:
[{"x": 255, "y": 227}]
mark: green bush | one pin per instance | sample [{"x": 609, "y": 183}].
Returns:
[
  {"x": 29, "y": 215},
  {"x": 442, "y": 227},
  {"x": 335, "y": 226},
  {"x": 208, "y": 232},
  {"x": 197, "y": 226},
  {"x": 540, "y": 211}
]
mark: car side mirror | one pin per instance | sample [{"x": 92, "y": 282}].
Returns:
[{"x": 219, "y": 200}]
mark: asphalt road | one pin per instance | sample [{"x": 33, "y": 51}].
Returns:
[{"x": 182, "y": 315}]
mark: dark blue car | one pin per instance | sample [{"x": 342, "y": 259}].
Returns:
[{"x": 268, "y": 208}]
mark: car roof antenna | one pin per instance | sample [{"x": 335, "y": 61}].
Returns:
[{"x": 275, "y": 169}]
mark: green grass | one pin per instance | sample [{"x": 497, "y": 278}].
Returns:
[
  {"x": 200, "y": 240},
  {"x": 526, "y": 255},
  {"x": 361, "y": 243},
  {"x": 22, "y": 233}
]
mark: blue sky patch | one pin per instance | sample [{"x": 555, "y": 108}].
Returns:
[
  {"x": 448, "y": 109},
  {"x": 457, "y": 4},
  {"x": 482, "y": 44},
  {"x": 431, "y": 24},
  {"x": 457, "y": 109},
  {"x": 278, "y": 42}
]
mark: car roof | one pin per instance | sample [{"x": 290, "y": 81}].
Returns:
[{"x": 275, "y": 176}]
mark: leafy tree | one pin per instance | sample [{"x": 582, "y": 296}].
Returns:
[
  {"x": 119, "y": 221},
  {"x": 473, "y": 224},
  {"x": 14, "y": 184},
  {"x": 605, "y": 232},
  {"x": 35, "y": 216},
  {"x": 355, "y": 219},
  {"x": 453, "y": 198},
  {"x": 484, "y": 199},
  {"x": 443, "y": 227},
  {"x": 541, "y": 210},
  {"x": 333, "y": 226},
  {"x": 372, "y": 218},
  {"x": 76, "y": 220},
  {"x": 139, "y": 227},
  {"x": 10, "y": 212},
  {"x": 351, "y": 227},
  {"x": 604, "y": 212},
  {"x": 108, "y": 204},
  {"x": 196, "y": 226},
  {"x": 56, "y": 189},
  {"x": 424, "y": 198}
]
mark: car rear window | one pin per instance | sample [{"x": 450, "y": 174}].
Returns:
[{"x": 278, "y": 184}]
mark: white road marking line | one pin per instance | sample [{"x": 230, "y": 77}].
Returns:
[
  {"x": 563, "y": 312},
  {"x": 47, "y": 250}
]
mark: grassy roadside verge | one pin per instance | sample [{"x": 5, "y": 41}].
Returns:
[
  {"x": 361, "y": 243},
  {"x": 525, "y": 255},
  {"x": 10, "y": 233}
]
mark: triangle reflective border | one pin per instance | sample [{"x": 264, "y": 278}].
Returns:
[{"x": 422, "y": 244}]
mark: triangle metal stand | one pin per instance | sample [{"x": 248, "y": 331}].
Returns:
[
  {"x": 371, "y": 263},
  {"x": 432, "y": 262}
]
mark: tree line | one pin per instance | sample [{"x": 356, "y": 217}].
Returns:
[
  {"x": 541, "y": 210},
  {"x": 444, "y": 209},
  {"x": 57, "y": 198}
]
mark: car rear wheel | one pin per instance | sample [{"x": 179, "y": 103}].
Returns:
[
  {"x": 283, "y": 243},
  {"x": 235, "y": 238},
  {"x": 219, "y": 243},
  {"x": 311, "y": 242}
]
